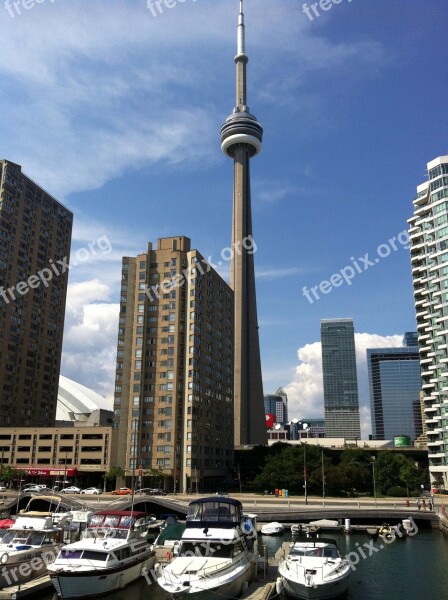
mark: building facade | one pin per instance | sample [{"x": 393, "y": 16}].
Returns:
[
  {"x": 78, "y": 455},
  {"x": 35, "y": 237},
  {"x": 173, "y": 408},
  {"x": 428, "y": 232},
  {"x": 340, "y": 379},
  {"x": 395, "y": 385},
  {"x": 241, "y": 138}
]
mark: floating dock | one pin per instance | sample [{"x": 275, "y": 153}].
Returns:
[{"x": 15, "y": 592}]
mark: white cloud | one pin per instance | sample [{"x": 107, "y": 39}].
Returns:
[
  {"x": 305, "y": 392},
  {"x": 90, "y": 337},
  {"x": 103, "y": 88}
]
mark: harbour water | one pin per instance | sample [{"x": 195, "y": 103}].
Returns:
[{"x": 413, "y": 568}]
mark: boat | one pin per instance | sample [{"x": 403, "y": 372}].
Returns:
[
  {"x": 112, "y": 553},
  {"x": 304, "y": 529},
  {"x": 387, "y": 532},
  {"x": 273, "y": 528},
  {"x": 313, "y": 569},
  {"x": 217, "y": 553},
  {"x": 30, "y": 544}
]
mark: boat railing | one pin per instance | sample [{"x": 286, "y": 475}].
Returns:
[
  {"x": 297, "y": 568},
  {"x": 207, "y": 572}
]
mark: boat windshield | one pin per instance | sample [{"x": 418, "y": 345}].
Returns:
[
  {"x": 327, "y": 552},
  {"x": 68, "y": 555},
  {"x": 214, "y": 511},
  {"x": 215, "y": 550},
  {"x": 100, "y": 533},
  {"x": 25, "y": 537}
]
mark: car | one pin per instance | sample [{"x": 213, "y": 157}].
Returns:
[
  {"x": 91, "y": 490},
  {"x": 71, "y": 490},
  {"x": 148, "y": 492},
  {"x": 158, "y": 492},
  {"x": 123, "y": 491},
  {"x": 3, "y": 488},
  {"x": 30, "y": 487}
]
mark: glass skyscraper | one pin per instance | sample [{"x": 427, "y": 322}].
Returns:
[
  {"x": 428, "y": 232},
  {"x": 340, "y": 379},
  {"x": 394, "y": 382},
  {"x": 277, "y": 404}
]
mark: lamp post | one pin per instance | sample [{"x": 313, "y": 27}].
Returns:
[
  {"x": 323, "y": 477},
  {"x": 305, "y": 427},
  {"x": 374, "y": 480}
]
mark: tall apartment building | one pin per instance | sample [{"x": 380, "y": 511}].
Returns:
[
  {"x": 35, "y": 237},
  {"x": 428, "y": 231},
  {"x": 340, "y": 379},
  {"x": 395, "y": 385},
  {"x": 174, "y": 377}
]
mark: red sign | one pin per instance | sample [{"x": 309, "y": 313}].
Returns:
[
  {"x": 270, "y": 421},
  {"x": 69, "y": 472}
]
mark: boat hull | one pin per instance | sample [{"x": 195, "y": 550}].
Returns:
[
  {"x": 321, "y": 592},
  {"x": 95, "y": 583},
  {"x": 17, "y": 571},
  {"x": 230, "y": 589}
]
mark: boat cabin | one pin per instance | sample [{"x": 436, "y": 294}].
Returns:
[
  {"x": 121, "y": 522},
  {"x": 215, "y": 512}
]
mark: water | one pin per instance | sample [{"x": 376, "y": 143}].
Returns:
[{"x": 413, "y": 568}]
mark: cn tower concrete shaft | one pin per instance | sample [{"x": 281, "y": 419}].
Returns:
[{"x": 241, "y": 137}]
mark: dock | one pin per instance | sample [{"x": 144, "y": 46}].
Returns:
[{"x": 15, "y": 592}]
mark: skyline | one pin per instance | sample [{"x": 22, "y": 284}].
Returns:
[{"x": 105, "y": 103}]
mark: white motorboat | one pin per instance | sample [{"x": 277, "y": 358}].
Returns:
[
  {"x": 273, "y": 528},
  {"x": 113, "y": 552},
  {"x": 217, "y": 552},
  {"x": 314, "y": 569},
  {"x": 29, "y": 545},
  {"x": 304, "y": 529}
]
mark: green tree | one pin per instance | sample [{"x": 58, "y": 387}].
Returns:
[
  {"x": 10, "y": 475},
  {"x": 409, "y": 474},
  {"x": 113, "y": 474}
]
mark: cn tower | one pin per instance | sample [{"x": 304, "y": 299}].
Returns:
[{"x": 241, "y": 137}]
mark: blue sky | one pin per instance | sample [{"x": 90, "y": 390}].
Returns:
[{"x": 117, "y": 113}]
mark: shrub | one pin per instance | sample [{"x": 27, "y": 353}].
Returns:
[{"x": 397, "y": 491}]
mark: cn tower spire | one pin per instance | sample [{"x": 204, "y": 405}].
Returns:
[{"x": 241, "y": 138}]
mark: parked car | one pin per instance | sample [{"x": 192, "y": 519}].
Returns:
[
  {"x": 123, "y": 491},
  {"x": 3, "y": 488},
  {"x": 71, "y": 490},
  {"x": 157, "y": 492},
  {"x": 437, "y": 490},
  {"x": 31, "y": 487},
  {"x": 91, "y": 490},
  {"x": 150, "y": 492}
]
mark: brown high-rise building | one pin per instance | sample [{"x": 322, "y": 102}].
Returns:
[
  {"x": 35, "y": 237},
  {"x": 241, "y": 137},
  {"x": 174, "y": 377}
]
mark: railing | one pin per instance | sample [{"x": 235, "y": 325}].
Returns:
[{"x": 207, "y": 572}]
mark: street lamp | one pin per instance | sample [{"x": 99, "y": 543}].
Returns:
[
  {"x": 305, "y": 428},
  {"x": 374, "y": 481}
]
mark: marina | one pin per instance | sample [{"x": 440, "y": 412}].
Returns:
[{"x": 419, "y": 555}]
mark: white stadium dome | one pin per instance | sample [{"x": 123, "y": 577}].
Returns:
[{"x": 76, "y": 402}]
